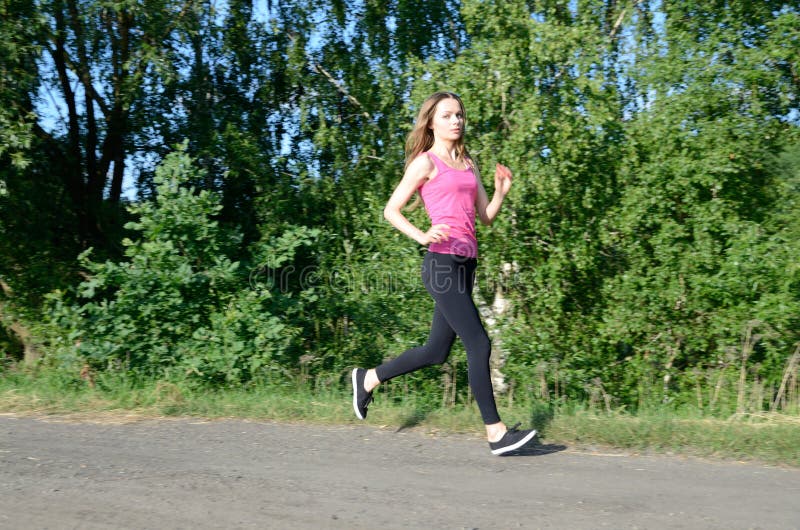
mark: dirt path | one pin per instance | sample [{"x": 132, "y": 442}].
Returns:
[{"x": 234, "y": 474}]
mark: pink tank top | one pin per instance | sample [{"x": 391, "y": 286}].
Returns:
[{"x": 450, "y": 199}]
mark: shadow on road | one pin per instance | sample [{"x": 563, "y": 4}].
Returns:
[
  {"x": 536, "y": 450},
  {"x": 415, "y": 418}
]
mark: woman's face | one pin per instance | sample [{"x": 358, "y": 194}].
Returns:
[{"x": 448, "y": 120}]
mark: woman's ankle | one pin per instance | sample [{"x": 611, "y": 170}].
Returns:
[
  {"x": 495, "y": 431},
  {"x": 371, "y": 380}
]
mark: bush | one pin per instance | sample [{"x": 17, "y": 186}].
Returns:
[{"x": 178, "y": 307}]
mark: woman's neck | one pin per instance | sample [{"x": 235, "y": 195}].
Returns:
[{"x": 444, "y": 146}]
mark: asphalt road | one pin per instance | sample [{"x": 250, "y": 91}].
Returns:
[{"x": 189, "y": 473}]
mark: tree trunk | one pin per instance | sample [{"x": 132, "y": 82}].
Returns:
[
  {"x": 32, "y": 353},
  {"x": 492, "y": 316},
  {"x": 73, "y": 158},
  {"x": 18, "y": 329}
]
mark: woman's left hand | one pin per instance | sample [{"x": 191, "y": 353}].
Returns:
[{"x": 502, "y": 179}]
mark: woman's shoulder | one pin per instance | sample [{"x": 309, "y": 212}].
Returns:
[
  {"x": 420, "y": 170},
  {"x": 422, "y": 162}
]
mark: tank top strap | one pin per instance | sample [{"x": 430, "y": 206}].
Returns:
[{"x": 440, "y": 166}]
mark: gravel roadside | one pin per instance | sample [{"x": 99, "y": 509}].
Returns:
[{"x": 190, "y": 473}]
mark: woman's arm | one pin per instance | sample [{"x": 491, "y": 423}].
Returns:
[
  {"x": 415, "y": 176},
  {"x": 488, "y": 210}
]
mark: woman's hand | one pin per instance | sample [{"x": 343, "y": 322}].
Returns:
[
  {"x": 436, "y": 234},
  {"x": 487, "y": 210},
  {"x": 502, "y": 179}
]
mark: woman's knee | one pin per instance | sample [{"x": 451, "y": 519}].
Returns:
[{"x": 437, "y": 353}]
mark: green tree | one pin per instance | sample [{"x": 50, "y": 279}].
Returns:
[{"x": 178, "y": 307}]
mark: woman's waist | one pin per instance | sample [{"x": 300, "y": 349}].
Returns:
[
  {"x": 462, "y": 246},
  {"x": 458, "y": 226}
]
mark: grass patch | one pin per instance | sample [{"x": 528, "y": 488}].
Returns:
[{"x": 770, "y": 438}]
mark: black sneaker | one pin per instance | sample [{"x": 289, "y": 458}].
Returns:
[
  {"x": 512, "y": 440},
  {"x": 361, "y": 398}
]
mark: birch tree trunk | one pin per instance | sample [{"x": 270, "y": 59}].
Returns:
[{"x": 493, "y": 319}]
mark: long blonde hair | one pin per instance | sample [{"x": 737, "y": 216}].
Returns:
[{"x": 420, "y": 139}]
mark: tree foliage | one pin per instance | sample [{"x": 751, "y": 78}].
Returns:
[
  {"x": 174, "y": 307},
  {"x": 647, "y": 249}
]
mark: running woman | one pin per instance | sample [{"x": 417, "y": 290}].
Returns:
[{"x": 440, "y": 169}]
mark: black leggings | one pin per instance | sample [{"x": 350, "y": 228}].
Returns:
[{"x": 449, "y": 280}]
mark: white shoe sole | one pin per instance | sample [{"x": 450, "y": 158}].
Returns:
[
  {"x": 515, "y": 446},
  {"x": 354, "y": 377}
]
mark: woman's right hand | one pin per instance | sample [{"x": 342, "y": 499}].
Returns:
[{"x": 436, "y": 234}]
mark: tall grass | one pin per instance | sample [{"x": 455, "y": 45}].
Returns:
[
  {"x": 772, "y": 437},
  {"x": 732, "y": 388}
]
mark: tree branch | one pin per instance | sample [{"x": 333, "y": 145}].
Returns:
[
  {"x": 96, "y": 97},
  {"x": 620, "y": 18},
  {"x": 616, "y": 24},
  {"x": 341, "y": 88}
]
